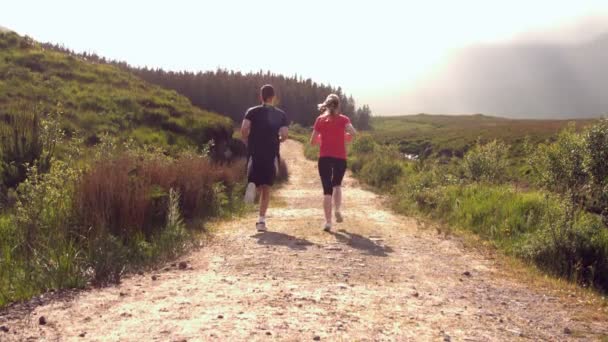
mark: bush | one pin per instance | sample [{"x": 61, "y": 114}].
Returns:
[
  {"x": 311, "y": 152},
  {"x": 26, "y": 139},
  {"x": 121, "y": 212},
  {"x": 417, "y": 191},
  {"x": 299, "y": 133},
  {"x": 363, "y": 144},
  {"x": 559, "y": 166},
  {"x": 128, "y": 193},
  {"x": 107, "y": 257},
  {"x": 486, "y": 163},
  {"x": 572, "y": 244},
  {"x": 596, "y": 166},
  {"x": 382, "y": 170}
]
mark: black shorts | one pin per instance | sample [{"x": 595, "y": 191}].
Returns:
[
  {"x": 262, "y": 170},
  {"x": 331, "y": 171}
]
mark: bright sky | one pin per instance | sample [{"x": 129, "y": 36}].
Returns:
[{"x": 373, "y": 49}]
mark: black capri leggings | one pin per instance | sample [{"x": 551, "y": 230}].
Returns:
[{"x": 331, "y": 171}]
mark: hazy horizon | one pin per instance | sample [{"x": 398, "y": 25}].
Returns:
[{"x": 381, "y": 53}]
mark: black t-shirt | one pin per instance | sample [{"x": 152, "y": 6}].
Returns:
[{"x": 264, "y": 135}]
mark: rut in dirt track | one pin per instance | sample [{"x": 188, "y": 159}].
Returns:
[{"x": 376, "y": 277}]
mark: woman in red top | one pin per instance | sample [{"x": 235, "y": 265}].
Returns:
[{"x": 331, "y": 130}]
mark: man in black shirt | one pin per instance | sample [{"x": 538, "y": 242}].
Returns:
[{"x": 263, "y": 129}]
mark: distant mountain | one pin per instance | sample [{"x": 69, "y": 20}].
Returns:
[{"x": 533, "y": 80}]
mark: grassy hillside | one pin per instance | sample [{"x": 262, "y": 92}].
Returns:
[
  {"x": 98, "y": 98},
  {"x": 73, "y": 215},
  {"x": 455, "y": 134}
]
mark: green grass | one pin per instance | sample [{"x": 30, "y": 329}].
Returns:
[
  {"x": 497, "y": 196},
  {"x": 455, "y": 134},
  {"x": 532, "y": 225},
  {"x": 98, "y": 98},
  {"x": 501, "y": 214}
]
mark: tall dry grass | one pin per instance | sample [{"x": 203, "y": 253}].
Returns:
[{"x": 127, "y": 194}]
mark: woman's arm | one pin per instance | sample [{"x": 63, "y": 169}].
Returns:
[
  {"x": 314, "y": 137},
  {"x": 351, "y": 130}
]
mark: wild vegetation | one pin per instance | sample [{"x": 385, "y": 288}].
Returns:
[
  {"x": 99, "y": 212},
  {"x": 548, "y": 205},
  {"x": 101, "y": 173}
]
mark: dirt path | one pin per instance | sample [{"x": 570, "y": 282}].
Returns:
[{"x": 378, "y": 277}]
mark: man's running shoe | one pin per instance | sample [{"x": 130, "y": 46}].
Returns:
[
  {"x": 339, "y": 217},
  {"x": 250, "y": 193},
  {"x": 260, "y": 227},
  {"x": 327, "y": 227}
]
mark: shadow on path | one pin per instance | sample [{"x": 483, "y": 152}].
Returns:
[
  {"x": 281, "y": 239},
  {"x": 362, "y": 243},
  {"x": 19, "y": 310}
]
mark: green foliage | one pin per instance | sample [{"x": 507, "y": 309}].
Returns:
[
  {"x": 382, "y": 169},
  {"x": 596, "y": 143},
  {"x": 84, "y": 199},
  {"x": 363, "y": 144},
  {"x": 559, "y": 165},
  {"x": 596, "y": 166},
  {"x": 311, "y": 152},
  {"x": 94, "y": 221},
  {"x": 26, "y": 140},
  {"x": 498, "y": 213},
  {"x": 575, "y": 166},
  {"x": 555, "y": 226},
  {"x": 486, "y": 163},
  {"x": 107, "y": 257},
  {"x": 572, "y": 244},
  {"x": 173, "y": 240},
  {"x": 20, "y": 146},
  {"x": 299, "y": 133},
  {"x": 42, "y": 252}
]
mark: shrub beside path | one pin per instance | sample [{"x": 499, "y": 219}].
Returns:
[{"x": 377, "y": 277}]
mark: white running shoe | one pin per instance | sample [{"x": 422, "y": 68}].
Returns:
[
  {"x": 261, "y": 227},
  {"x": 250, "y": 193}
]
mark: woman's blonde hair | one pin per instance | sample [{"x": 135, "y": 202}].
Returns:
[{"x": 331, "y": 104}]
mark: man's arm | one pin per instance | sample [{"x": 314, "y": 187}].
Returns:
[
  {"x": 245, "y": 130},
  {"x": 283, "y": 133},
  {"x": 284, "y": 130}
]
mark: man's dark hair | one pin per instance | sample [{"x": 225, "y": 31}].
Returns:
[{"x": 267, "y": 92}]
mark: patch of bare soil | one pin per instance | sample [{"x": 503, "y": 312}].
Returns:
[{"x": 377, "y": 277}]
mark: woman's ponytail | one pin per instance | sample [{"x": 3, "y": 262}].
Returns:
[{"x": 331, "y": 105}]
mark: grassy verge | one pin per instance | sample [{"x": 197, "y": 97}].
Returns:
[
  {"x": 125, "y": 210},
  {"x": 554, "y": 225}
]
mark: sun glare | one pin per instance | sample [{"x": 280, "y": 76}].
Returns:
[{"x": 368, "y": 48}]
